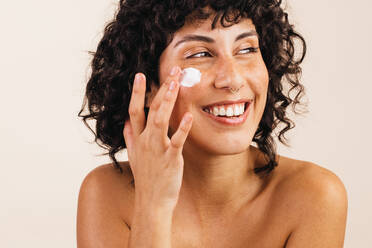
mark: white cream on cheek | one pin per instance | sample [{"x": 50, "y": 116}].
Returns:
[{"x": 190, "y": 76}]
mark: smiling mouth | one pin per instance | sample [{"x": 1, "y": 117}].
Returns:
[{"x": 231, "y": 110}]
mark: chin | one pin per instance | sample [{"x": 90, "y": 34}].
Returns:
[{"x": 222, "y": 145}]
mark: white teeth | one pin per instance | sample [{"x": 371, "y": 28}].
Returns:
[
  {"x": 221, "y": 111},
  {"x": 215, "y": 111},
  {"x": 229, "y": 111},
  {"x": 237, "y": 110}
]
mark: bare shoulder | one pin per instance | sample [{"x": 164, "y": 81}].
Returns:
[
  {"x": 309, "y": 180},
  {"x": 106, "y": 175},
  {"x": 317, "y": 200},
  {"x": 104, "y": 196},
  {"x": 109, "y": 184}
]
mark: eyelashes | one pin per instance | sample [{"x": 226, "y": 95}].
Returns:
[
  {"x": 198, "y": 55},
  {"x": 250, "y": 49},
  {"x": 207, "y": 54}
]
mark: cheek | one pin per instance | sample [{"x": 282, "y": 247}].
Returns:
[
  {"x": 259, "y": 78},
  {"x": 262, "y": 82}
]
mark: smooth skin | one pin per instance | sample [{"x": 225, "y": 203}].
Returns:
[
  {"x": 201, "y": 172},
  {"x": 160, "y": 184}
]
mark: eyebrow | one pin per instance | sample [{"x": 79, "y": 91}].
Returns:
[{"x": 210, "y": 40}]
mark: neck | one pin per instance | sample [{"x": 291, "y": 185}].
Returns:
[{"x": 221, "y": 181}]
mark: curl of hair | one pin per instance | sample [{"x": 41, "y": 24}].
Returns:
[{"x": 142, "y": 29}]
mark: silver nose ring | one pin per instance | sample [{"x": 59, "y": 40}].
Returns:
[{"x": 234, "y": 90}]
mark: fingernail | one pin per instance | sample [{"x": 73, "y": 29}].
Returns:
[
  {"x": 136, "y": 78},
  {"x": 172, "y": 85},
  {"x": 174, "y": 70},
  {"x": 186, "y": 119}
]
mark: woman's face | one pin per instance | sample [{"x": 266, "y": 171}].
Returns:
[{"x": 227, "y": 58}]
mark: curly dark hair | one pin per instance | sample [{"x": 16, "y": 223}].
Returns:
[{"x": 142, "y": 29}]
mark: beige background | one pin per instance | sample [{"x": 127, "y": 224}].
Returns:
[{"x": 45, "y": 151}]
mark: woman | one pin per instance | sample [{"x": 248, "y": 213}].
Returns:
[{"x": 194, "y": 179}]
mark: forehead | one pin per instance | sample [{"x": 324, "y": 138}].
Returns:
[{"x": 204, "y": 27}]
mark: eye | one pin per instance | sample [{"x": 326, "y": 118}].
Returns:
[
  {"x": 199, "y": 55},
  {"x": 248, "y": 50}
]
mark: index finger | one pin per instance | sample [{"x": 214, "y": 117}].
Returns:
[{"x": 137, "y": 104}]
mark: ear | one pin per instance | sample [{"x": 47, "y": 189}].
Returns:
[{"x": 151, "y": 94}]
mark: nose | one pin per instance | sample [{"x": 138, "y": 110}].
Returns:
[{"x": 228, "y": 76}]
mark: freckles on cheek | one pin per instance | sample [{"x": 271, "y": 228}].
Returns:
[
  {"x": 185, "y": 99},
  {"x": 261, "y": 86},
  {"x": 190, "y": 95},
  {"x": 259, "y": 81},
  {"x": 186, "y": 92}
]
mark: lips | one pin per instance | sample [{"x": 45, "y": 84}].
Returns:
[
  {"x": 229, "y": 112},
  {"x": 227, "y": 108},
  {"x": 228, "y": 102}
]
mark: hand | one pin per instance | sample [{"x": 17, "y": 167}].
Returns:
[{"x": 155, "y": 159}]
